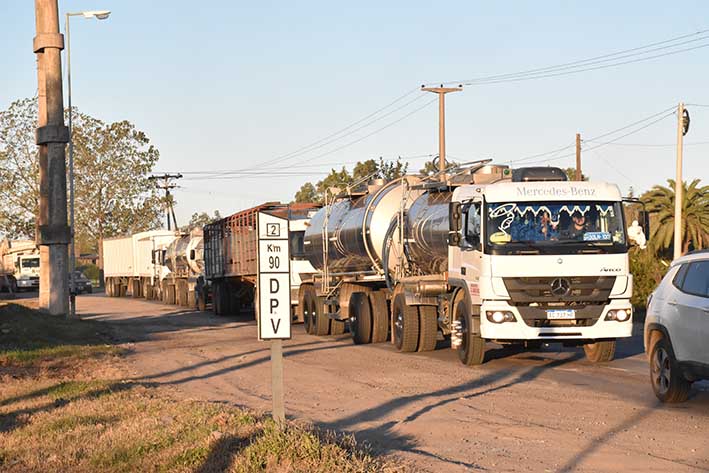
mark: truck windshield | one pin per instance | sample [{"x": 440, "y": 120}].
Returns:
[
  {"x": 30, "y": 262},
  {"x": 555, "y": 227}
]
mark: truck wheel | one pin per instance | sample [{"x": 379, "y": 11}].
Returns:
[
  {"x": 428, "y": 328},
  {"x": 216, "y": 298},
  {"x": 406, "y": 324},
  {"x": 321, "y": 323},
  {"x": 472, "y": 349},
  {"x": 600, "y": 352},
  {"x": 380, "y": 316},
  {"x": 360, "y": 315},
  {"x": 668, "y": 382},
  {"x": 300, "y": 308},
  {"x": 202, "y": 300},
  {"x": 308, "y": 309},
  {"x": 337, "y": 327}
]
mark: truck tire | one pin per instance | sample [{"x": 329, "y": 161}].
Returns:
[
  {"x": 668, "y": 382},
  {"x": 308, "y": 309},
  {"x": 122, "y": 289},
  {"x": 380, "y": 316},
  {"x": 472, "y": 349},
  {"x": 428, "y": 328},
  {"x": 300, "y": 308},
  {"x": 600, "y": 352},
  {"x": 216, "y": 298},
  {"x": 202, "y": 299},
  {"x": 406, "y": 324},
  {"x": 321, "y": 323},
  {"x": 360, "y": 315},
  {"x": 337, "y": 327}
]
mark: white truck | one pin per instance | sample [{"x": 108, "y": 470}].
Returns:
[
  {"x": 483, "y": 254},
  {"x": 130, "y": 266},
  {"x": 183, "y": 261},
  {"x": 19, "y": 265}
]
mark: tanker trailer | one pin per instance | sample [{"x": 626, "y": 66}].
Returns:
[
  {"x": 184, "y": 258},
  {"x": 345, "y": 242}
]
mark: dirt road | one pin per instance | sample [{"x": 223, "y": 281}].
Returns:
[{"x": 521, "y": 411}]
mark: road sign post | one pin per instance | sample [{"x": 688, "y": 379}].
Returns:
[{"x": 273, "y": 304}]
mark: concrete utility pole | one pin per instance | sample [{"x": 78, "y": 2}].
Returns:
[
  {"x": 52, "y": 233},
  {"x": 442, "y": 91},
  {"x": 164, "y": 182},
  {"x": 682, "y": 129},
  {"x": 578, "y": 157}
]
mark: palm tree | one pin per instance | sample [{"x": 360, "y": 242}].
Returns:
[{"x": 660, "y": 201}]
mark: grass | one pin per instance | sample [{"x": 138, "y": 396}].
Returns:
[{"x": 58, "y": 413}]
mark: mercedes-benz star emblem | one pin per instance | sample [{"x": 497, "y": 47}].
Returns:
[{"x": 560, "y": 287}]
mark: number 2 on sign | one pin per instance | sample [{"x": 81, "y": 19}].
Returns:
[{"x": 274, "y": 262}]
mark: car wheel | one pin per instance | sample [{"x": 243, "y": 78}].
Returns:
[{"x": 667, "y": 379}]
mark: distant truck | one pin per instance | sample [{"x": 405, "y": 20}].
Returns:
[
  {"x": 19, "y": 265},
  {"x": 129, "y": 264},
  {"x": 231, "y": 256}
]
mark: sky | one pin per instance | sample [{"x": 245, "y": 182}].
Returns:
[{"x": 233, "y": 85}]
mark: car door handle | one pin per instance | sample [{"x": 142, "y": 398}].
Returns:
[
  {"x": 705, "y": 310},
  {"x": 672, "y": 302}
]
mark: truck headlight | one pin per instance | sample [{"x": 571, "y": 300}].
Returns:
[
  {"x": 500, "y": 316},
  {"x": 619, "y": 315}
]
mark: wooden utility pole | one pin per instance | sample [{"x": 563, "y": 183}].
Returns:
[
  {"x": 682, "y": 129},
  {"x": 442, "y": 91},
  {"x": 578, "y": 157},
  {"x": 52, "y": 233},
  {"x": 164, "y": 182}
]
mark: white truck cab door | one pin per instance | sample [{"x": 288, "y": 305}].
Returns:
[
  {"x": 690, "y": 327},
  {"x": 471, "y": 246}
]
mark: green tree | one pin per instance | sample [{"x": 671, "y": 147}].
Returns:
[
  {"x": 19, "y": 169},
  {"x": 571, "y": 174},
  {"x": 431, "y": 167},
  {"x": 307, "y": 193},
  {"x": 199, "y": 220},
  {"x": 647, "y": 270},
  {"x": 112, "y": 162},
  {"x": 660, "y": 202}
]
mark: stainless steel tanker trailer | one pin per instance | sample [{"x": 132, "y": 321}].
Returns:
[
  {"x": 464, "y": 256},
  {"x": 184, "y": 260},
  {"x": 231, "y": 256}
]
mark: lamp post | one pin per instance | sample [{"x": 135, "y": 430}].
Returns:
[{"x": 99, "y": 15}]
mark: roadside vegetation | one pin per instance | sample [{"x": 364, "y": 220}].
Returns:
[{"x": 65, "y": 405}]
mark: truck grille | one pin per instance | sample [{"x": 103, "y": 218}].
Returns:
[{"x": 550, "y": 291}]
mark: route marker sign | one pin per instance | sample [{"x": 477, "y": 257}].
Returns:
[
  {"x": 273, "y": 305},
  {"x": 273, "y": 300}
]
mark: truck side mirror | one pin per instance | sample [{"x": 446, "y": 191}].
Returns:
[
  {"x": 455, "y": 223},
  {"x": 455, "y": 217},
  {"x": 192, "y": 255},
  {"x": 153, "y": 258},
  {"x": 645, "y": 219}
]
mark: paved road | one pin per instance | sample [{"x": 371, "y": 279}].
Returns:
[{"x": 544, "y": 410}]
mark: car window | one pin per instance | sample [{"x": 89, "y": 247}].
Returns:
[
  {"x": 679, "y": 276},
  {"x": 696, "y": 281}
]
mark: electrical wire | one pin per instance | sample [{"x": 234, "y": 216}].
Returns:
[
  {"x": 603, "y": 61},
  {"x": 572, "y": 145}
]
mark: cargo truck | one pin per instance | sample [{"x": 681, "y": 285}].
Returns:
[
  {"x": 481, "y": 253},
  {"x": 19, "y": 265},
  {"x": 231, "y": 256},
  {"x": 130, "y": 267}
]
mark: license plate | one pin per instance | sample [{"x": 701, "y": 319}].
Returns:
[{"x": 561, "y": 314}]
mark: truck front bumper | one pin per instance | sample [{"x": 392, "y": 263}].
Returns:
[{"x": 520, "y": 330}]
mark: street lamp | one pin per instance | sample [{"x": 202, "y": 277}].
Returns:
[{"x": 99, "y": 15}]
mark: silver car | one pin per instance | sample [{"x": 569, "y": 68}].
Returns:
[{"x": 677, "y": 328}]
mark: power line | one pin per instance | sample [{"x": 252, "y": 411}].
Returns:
[
  {"x": 581, "y": 65},
  {"x": 666, "y": 114},
  {"x": 342, "y": 130},
  {"x": 652, "y": 145}
]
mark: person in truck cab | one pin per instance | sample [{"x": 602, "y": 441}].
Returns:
[{"x": 577, "y": 227}]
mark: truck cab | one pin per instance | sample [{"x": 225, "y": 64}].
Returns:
[
  {"x": 541, "y": 261},
  {"x": 27, "y": 272}
]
